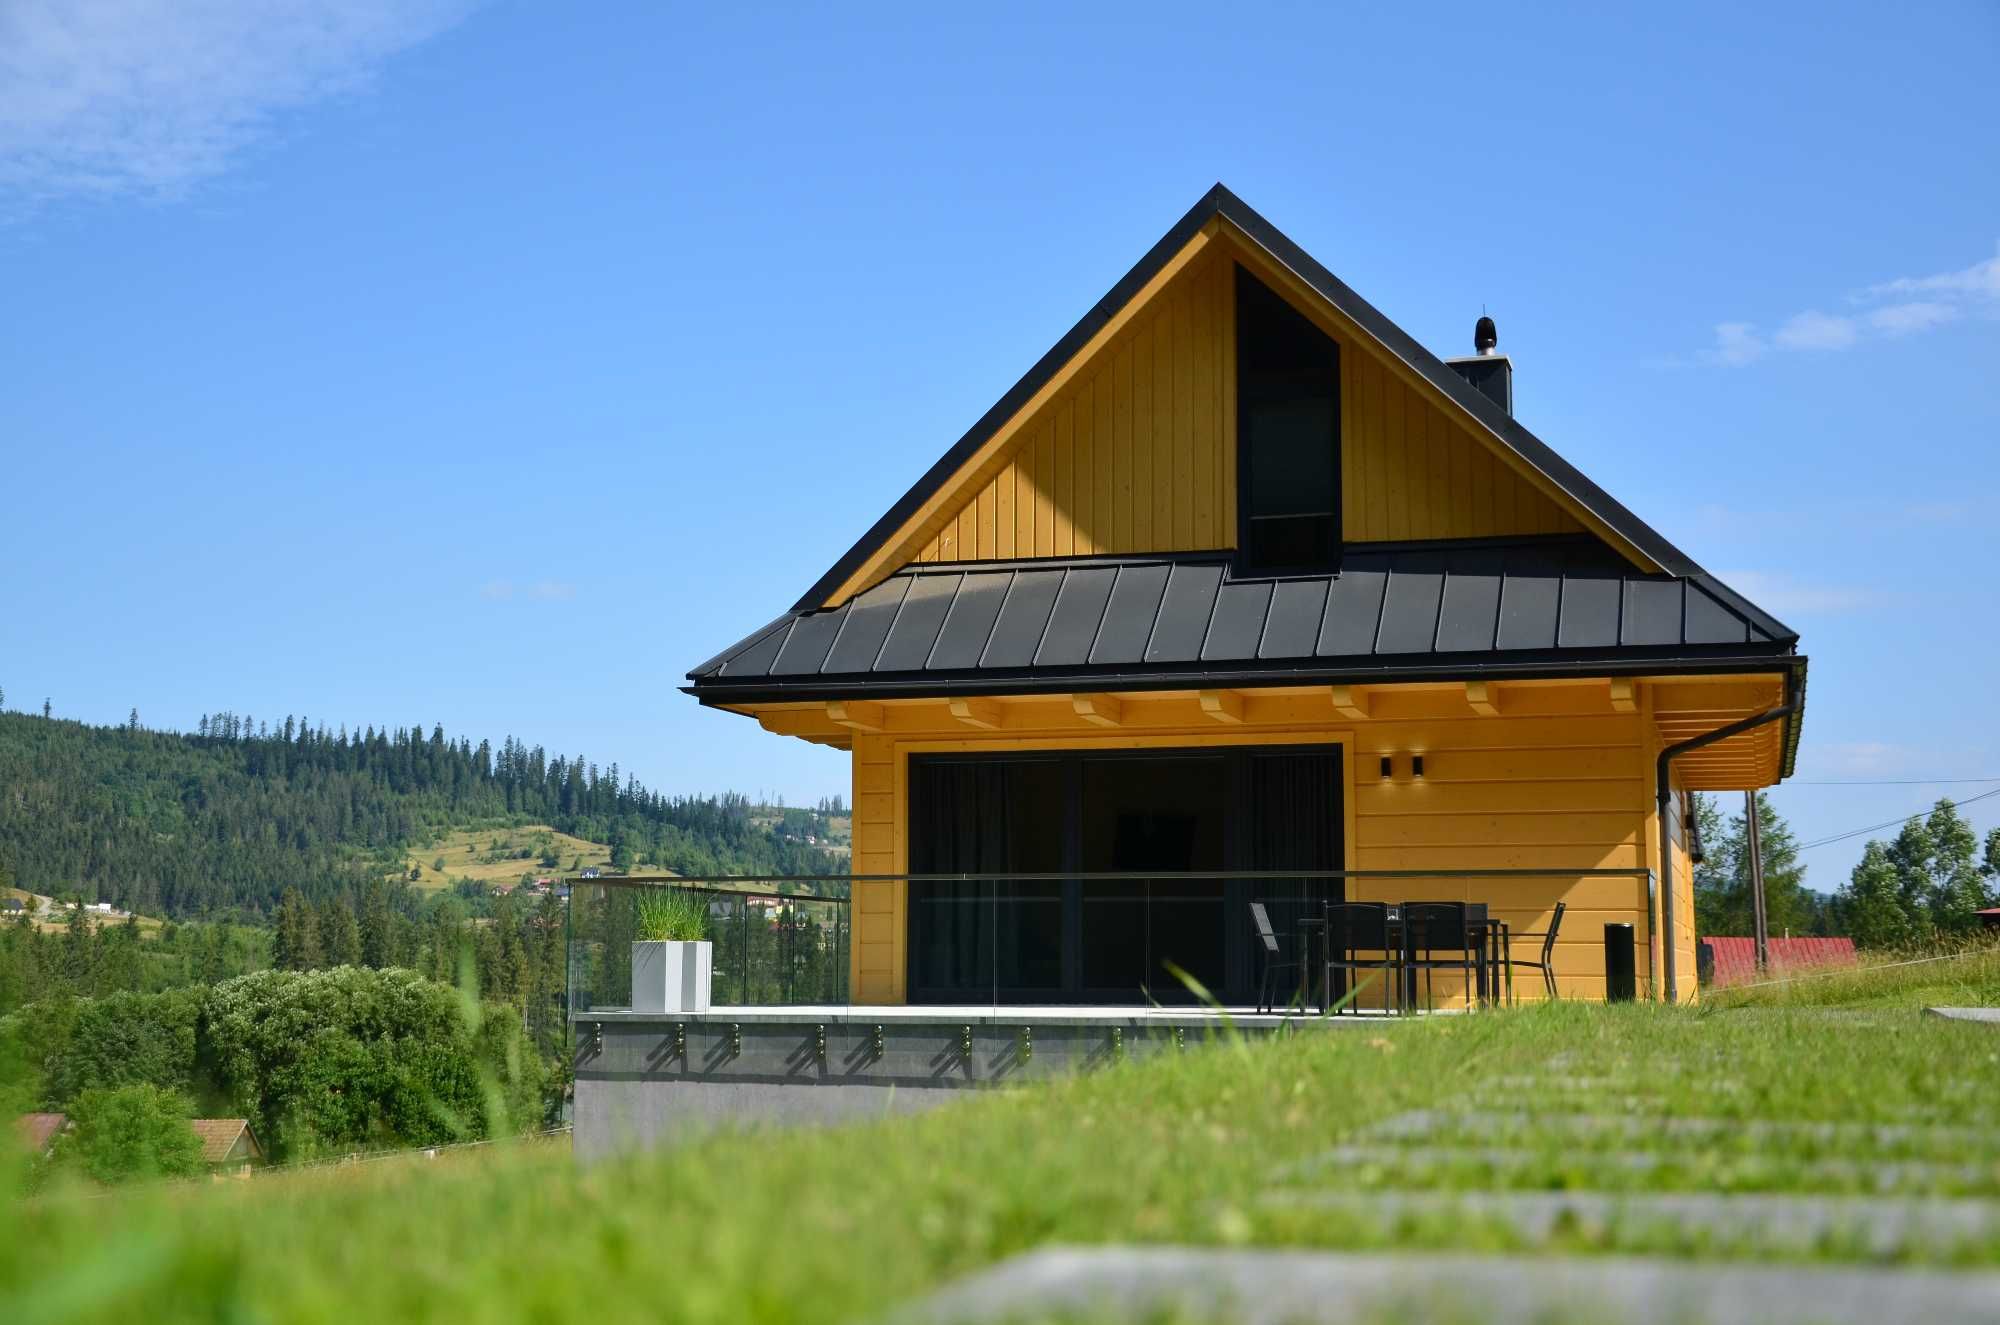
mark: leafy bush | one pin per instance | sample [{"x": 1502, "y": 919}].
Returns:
[
  {"x": 130, "y": 1132},
  {"x": 333, "y": 1060},
  {"x": 672, "y": 916}
]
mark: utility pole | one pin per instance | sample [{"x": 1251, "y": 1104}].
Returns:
[{"x": 1756, "y": 847}]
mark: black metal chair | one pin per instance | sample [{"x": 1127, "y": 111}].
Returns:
[
  {"x": 1354, "y": 928},
  {"x": 1546, "y": 963},
  {"x": 1432, "y": 928},
  {"x": 1273, "y": 954}
]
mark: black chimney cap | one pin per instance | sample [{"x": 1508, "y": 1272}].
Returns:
[{"x": 1485, "y": 335}]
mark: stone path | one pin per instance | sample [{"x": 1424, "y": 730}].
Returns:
[
  {"x": 1269, "y": 1287},
  {"x": 1989, "y": 1015}
]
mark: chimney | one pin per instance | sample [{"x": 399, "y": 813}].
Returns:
[{"x": 1491, "y": 373}]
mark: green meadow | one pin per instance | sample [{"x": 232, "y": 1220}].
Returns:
[{"x": 1831, "y": 1089}]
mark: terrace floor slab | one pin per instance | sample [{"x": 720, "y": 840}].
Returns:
[
  {"x": 1260, "y": 1287},
  {"x": 1991, "y": 1016}
]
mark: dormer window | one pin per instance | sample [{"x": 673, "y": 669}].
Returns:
[{"x": 1287, "y": 436}]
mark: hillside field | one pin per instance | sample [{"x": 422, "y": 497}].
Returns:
[{"x": 492, "y": 856}]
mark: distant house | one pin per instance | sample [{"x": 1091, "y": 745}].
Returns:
[
  {"x": 227, "y": 1144},
  {"x": 11, "y": 904},
  {"x": 1990, "y": 917},
  {"x": 38, "y": 1131}
]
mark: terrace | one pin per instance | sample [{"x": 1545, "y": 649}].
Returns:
[{"x": 1023, "y": 976}]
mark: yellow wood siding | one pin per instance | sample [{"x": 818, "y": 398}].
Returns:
[
  {"x": 1134, "y": 455},
  {"x": 1138, "y": 452},
  {"x": 1554, "y": 791}
]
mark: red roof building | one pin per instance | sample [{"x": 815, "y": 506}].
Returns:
[{"x": 1736, "y": 958}]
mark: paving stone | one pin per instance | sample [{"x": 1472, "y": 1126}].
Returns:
[
  {"x": 1882, "y": 1226},
  {"x": 1449, "y": 1125},
  {"x": 1989, "y": 1015},
  {"x": 1417, "y": 1161},
  {"x": 1268, "y": 1287}
]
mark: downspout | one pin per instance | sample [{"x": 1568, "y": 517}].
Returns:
[{"x": 1664, "y": 793}]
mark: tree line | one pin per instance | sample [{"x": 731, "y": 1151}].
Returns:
[
  {"x": 222, "y": 821},
  {"x": 1932, "y": 879}
]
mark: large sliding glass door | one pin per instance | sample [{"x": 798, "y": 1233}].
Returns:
[{"x": 1166, "y": 817}]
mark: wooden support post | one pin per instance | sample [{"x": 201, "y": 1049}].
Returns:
[
  {"x": 1351, "y": 702},
  {"x": 856, "y": 714},
  {"x": 1484, "y": 696},
  {"x": 981, "y": 713},
  {"x": 1624, "y": 695},
  {"x": 1099, "y": 710},
  {"x": 1222, "y": 705}
]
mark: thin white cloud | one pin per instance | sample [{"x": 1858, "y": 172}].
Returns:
[
  {"x": 1979, "y": 281},
  {"x": 1786, "y": 595},
  {"x": 1905, "y": 306},
  {"x": 497, "y": 591},
  {"x": 1814, "y": 330},
  {"x": 552, "y": 591},
  {"x": 109, "y": 97}
]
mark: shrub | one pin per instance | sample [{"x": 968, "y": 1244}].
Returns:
[
  {"x": 130, "y": 1132},
  {"x": 334, "y": 1060}
]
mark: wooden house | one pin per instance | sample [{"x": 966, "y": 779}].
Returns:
[
  {"x": 228, "y": 1146},
  {"x": 1240, "y": 580}
]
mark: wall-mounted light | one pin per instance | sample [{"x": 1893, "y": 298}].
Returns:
[
  {"x": 1417, "y": 767},
  {"x": 1388, "y": 767}
]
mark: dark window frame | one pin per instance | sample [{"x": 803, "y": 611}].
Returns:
[{"x": 1249, "y": 289}]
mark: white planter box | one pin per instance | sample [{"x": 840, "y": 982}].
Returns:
[{"x": 671, "y": 977}]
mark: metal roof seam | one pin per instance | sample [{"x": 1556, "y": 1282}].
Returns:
[
  {"x": 875, "y": 659},
  {"x": 1208, "y": 625}
]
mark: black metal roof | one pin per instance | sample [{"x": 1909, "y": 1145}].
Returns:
[
  {"x": 1490, "y": 607},
  {"x": 1219, "y": 201}
]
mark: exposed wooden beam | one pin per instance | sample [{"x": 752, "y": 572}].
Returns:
[
  {"x": 1484, "y": 696},
  {"x": 984, "y": 714},
  {"x": 1351, "y": 702},
  {"x": 1100, "y": 710},
  {"x": 856, "y": 714},
  {"x": 1222, "y": 705},
  {"x": 1624, "y": 695}
]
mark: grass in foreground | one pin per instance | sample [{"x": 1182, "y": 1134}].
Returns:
[{"x": 841, "y": 1224}]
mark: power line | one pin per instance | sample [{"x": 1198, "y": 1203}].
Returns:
[
  {"x": 1888, "y": 823},
  {"x": 1886, "y": 782}
]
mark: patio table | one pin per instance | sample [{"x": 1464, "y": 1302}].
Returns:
[{"x": 1490, "y": 973}]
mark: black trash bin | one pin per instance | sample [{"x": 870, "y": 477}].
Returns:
[{"x": 1621, "y": 978}]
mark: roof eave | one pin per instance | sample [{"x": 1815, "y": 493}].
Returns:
[{"x": 1430, "y": 667}]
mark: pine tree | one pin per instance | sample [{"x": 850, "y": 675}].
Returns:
[
  {"x": 79, "y": 951},
  {"x": 295, "y": 945},
  {"x": 340, "y": 932},
  {"x": 378, "y": 934},
  {"x": 1722, "y": 894}
]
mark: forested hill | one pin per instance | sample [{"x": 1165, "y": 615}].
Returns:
[{"x": 188, "y": 825}]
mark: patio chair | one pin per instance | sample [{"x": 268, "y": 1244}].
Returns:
[
  {"x": 1546, "y": 962},
  {"x": 1441, "y": 936},
  {"x": 1353, "y": 928},
  {"x": 1273, "y": 954}
]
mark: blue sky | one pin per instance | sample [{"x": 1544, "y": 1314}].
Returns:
[{"x": 493, "y": 365}]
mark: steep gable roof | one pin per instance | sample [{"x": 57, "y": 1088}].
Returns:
[{"x": 1646, "y": 546}]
